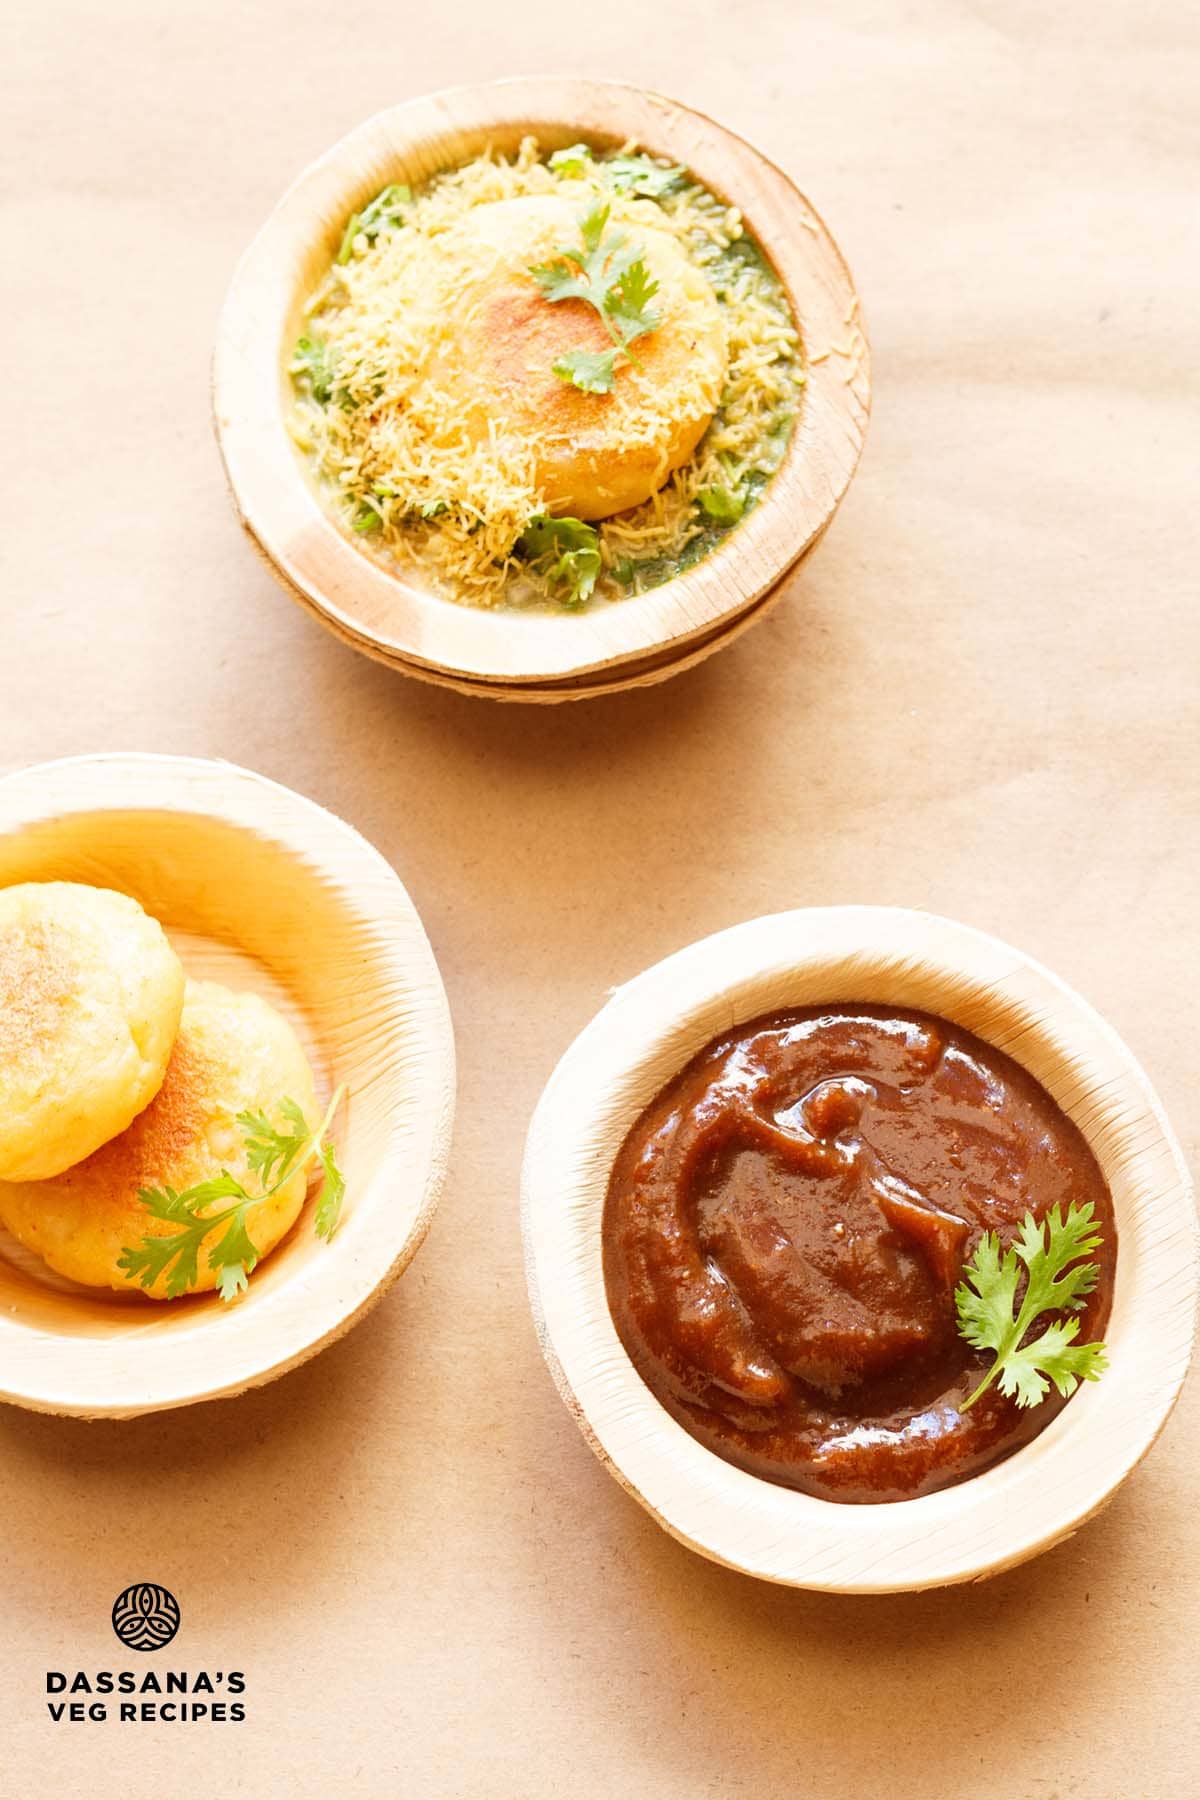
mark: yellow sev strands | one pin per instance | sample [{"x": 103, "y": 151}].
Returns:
[{"x": 451, "y": 508}]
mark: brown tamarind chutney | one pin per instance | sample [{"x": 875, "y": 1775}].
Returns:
[{"x": 785, "y": 1226}]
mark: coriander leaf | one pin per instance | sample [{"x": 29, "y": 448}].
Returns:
[
  {"x": 1054, "y": 1354},
  {"x": 723, "y": 504},
  {"x": 235, "y": 1249},
  {"x": 616, "y": 256},
  {"x": 165, "y": 1203},
  {"x": 312, "y": 361},
  {"x": 1053, "y": 1286},
  {"x": 587, "y": 369},
  {"x": 629, "y": 302},
  {"x": 566, "y": 552},
  {"x": 985, "y": 1307},
  {"x": 333, "y": 1192},
  {"x": 270, "y": 1151},
  {"x": 155, "y": 1255},
  {"x": 592, "y": 225},
  {"x": 1048, "y": 1252},
  {"x": 150, "y": 1260},
  {"x": 561, "y": 280},
  {"x": 641, "y": 175},
  {"x": 384, "y": 213},
  {"x": 572, "y": 163},
  {"x": 232, "y": 1280}
]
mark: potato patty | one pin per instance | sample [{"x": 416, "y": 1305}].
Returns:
[
  {"x": 595, "y": 454},
  {"x": 234, "y": 1053},
  {"x": 90, "y": 998}
]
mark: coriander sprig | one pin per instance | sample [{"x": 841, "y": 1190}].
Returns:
[
  {"x": 634, "y": 174},
  {"x": 612, "y": 276},
  {"x": 724, "y": 504},
  {"x": 566, "y": 553},
  {"x": 571, "y": 164},
  {"x": 384, "y": 213},
  {"x": 271, "y": 1152},
  {"x": 990, "y": 1318},
  {"x": 274, "y": 1153},
  {"x": 312, "y": 361},
  {"x": 642, "y": 175}
]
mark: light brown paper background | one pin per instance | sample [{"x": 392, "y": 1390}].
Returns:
[{"x": 981, "y": 697}]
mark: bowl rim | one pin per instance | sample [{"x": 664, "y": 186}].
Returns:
[
  {"x": 646, "y": 1032},
  {"x": 649, "y": 673},
  {"x": 358, "y": 599},
  {"x": 112, "y": 1377}
]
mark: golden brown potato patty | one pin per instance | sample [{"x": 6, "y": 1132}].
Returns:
[
  {"x": 90, "y": 996},
  {"x": 234, "y": 1053},
  {"x": 596, "y": 454}
]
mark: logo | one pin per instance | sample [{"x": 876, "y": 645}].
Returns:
[{"x": 145, "y": 1616}]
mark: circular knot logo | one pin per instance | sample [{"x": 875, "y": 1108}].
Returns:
[{"x": 145, "y": 1616}]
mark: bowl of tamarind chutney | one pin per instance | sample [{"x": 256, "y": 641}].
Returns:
[
  {"x": 860, "y": 1249},
  {"x": 787, "y": 1224}
]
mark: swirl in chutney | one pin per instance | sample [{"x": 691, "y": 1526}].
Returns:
[{"x": 784, "y": 1229}]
